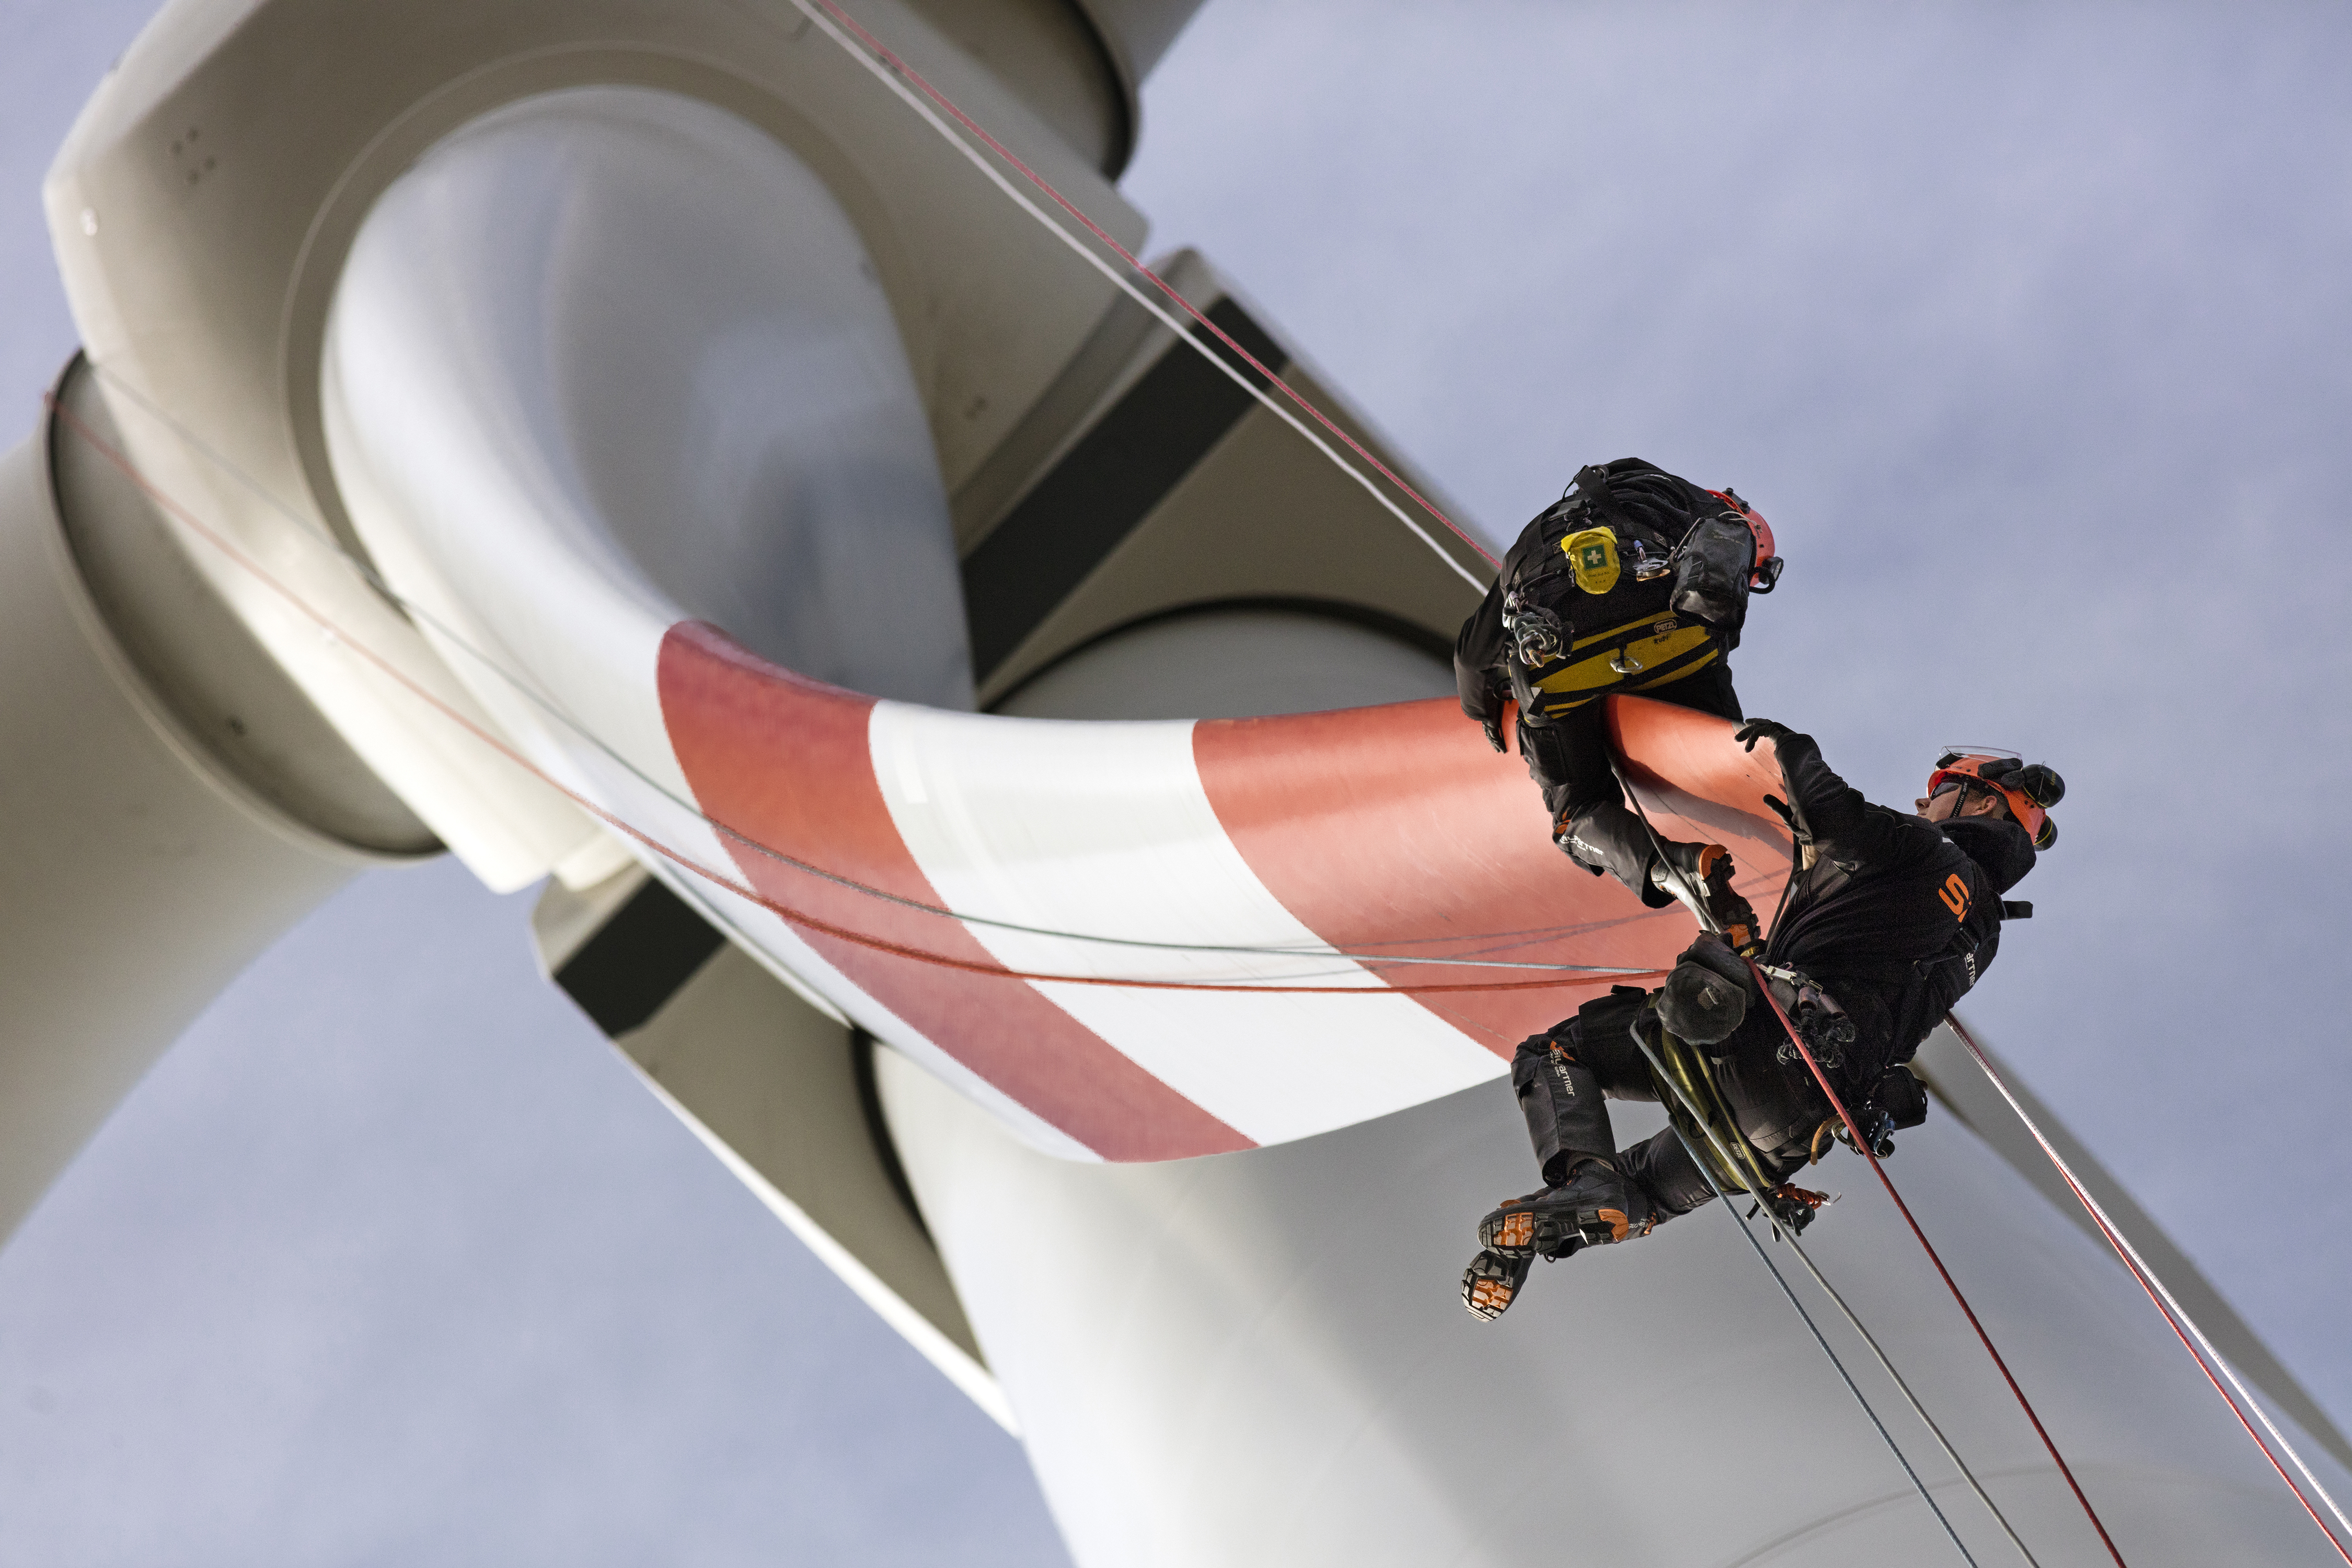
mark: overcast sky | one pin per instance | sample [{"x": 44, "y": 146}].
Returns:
[{"x": 2026, "y": 325}]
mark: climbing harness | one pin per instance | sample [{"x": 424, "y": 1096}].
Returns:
[
  {"x": 1818, "y": 1014},
  {"x": 1896, "y": 1101},
  {"x": 1633, "y": 580}
]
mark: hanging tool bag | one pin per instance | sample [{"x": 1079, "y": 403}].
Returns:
[{"x": 1633, "y": 580}]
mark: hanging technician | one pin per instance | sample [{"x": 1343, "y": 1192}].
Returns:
[
  {"x": 1635, "y": 580},
  {"x": 1888, "y": 920}
]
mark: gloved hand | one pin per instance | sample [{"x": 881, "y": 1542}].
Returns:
[
  {"x": 1756, "y": 729},
  {"x": 1712, "y": 951},
  {"x": 1493, "y": 724}
]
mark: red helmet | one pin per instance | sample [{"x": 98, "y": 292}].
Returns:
[
  {"x": 2030, "y": 789},
  {"x": 1767, "y": 564}
]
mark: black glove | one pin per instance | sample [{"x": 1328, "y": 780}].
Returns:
[
  {"x": 1712, "y": 951},
  {"x": 1493, "y": 724},
  {"x": 1756, "y": 729}
]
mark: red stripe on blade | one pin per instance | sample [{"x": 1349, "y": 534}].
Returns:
[
  {"x": 1398, "y": 830},
  {"x": 786, "y": 762}
]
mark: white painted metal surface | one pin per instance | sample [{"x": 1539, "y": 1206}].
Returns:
[
  {"x": 505, "y": 311},
  {"x": 1261, "y": 1357}
]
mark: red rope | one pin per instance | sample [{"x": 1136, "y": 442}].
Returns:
[
  {"x": 2141, "y": 1277},
  {"x": 1862, "y": 1144},
  {"x": 798, "y": 917},
  {"x": 882, "y": 52}
]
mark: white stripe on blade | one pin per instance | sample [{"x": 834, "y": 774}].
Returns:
[{"x": 1105, "y": 829}]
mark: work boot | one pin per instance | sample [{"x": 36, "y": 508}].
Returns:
[
  {"x": 1492, "y": 1283},
  {"x": 1593, "y": 1207},
  {"x": 1699, "y": 875}
]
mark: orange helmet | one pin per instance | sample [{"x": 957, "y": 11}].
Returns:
[{"x": 2029, "y": 789}]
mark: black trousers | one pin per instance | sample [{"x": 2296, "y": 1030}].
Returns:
[
  {"x": 1563, "y": 1076},
  {"x": 1568, "y": 759}
]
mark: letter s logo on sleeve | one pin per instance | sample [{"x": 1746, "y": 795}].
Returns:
[{"x": 1955, "y": 894}]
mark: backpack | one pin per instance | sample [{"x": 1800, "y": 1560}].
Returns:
[{"x": 1634, "y": 579}]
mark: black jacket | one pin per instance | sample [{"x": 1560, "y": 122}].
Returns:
[{"x": 1894, "y": 918}]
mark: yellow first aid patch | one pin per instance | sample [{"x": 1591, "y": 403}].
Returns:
[{"x": 1593, "y": 556}]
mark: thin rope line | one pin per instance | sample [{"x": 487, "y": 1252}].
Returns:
[
  {"x": 328, "y": 629},
  {"x": 1818, "y": 1338},
  {"x": 1707, "y": 917},
  {"x": 1862, "y": 1144},
  {"x": 1706, "y": 1129},
  {"x": 547, "y": 705},
  {"x": 2175, "y": 1316},
  {"x": 1707, "y": 920},
  {"x": 1917, "y": 1409},
  {"x": 896, "y": 74}
]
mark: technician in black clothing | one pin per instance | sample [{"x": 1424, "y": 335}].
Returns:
[
  {"x": 1636, "y": 580},
  {"x": 1890, "y": 919}
]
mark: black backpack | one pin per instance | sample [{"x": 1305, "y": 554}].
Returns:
[{"x": 1634, "y": 579}]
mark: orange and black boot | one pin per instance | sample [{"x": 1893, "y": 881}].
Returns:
[
  {"x": 1594, "y": 1207},
  {"x": 1492, "y": 1283}
]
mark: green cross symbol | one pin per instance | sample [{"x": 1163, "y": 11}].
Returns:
[{"x": 1595, "y": 557}]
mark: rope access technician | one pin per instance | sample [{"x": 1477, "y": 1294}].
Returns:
[
  {"x": 1635, "y": 580},
  {"x": 1888, "y": 920}
]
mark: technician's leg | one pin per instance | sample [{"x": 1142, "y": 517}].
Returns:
[{"x": 1570, "y": 760}]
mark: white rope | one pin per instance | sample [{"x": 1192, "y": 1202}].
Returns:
[
  {"x": 979, "y": 159},
  {"x": 2139, "y": 1266},
  {"x": 1912, "y": 1399},
  {"x": 1799, "y": 1307}
]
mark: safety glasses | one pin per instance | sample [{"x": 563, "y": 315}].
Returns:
[{"x": 2029, "y": 789}]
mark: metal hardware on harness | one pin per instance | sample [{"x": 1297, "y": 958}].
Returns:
[
  {"x": 1646, "y": 565},
  {"x": 1536, "y": 632},
  {"x": 1817, "y": 1015},
  {"x": 1695, "y": 1104},
  {"x": 1877, "y": 1127},
  {"x": 1826, "y": 1028},
  {"x": 1625, "y": 663}
]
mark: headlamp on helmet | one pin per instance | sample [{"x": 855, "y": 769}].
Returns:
[{"x": 2029, "y": 789}]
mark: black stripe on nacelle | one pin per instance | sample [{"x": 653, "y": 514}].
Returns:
[
  {"x": 638, "y": 960},
  {"x": 1107, "y": 483}
]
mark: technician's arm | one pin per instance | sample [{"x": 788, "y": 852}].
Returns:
[
  {"x": 1844, "y": 825},
  {"x": 1477, "y": 651}
]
